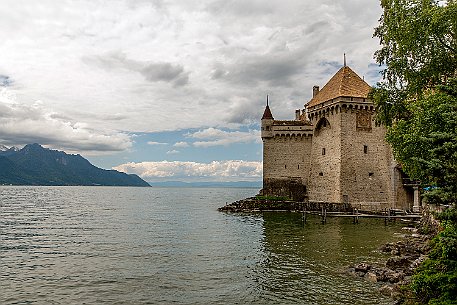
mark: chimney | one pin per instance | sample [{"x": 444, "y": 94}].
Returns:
[
  {"x": 297, "y": 115},
  {"x": 315, "y": 90}
]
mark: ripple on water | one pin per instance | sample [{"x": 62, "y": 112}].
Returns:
[{"x": 101, "y": 245}]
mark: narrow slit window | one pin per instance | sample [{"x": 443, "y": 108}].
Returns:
[
  {"x": 370, "y": 174},
  {"x": 323, "y": 151},
  {"x": 365, "y": 149},
  {"x": 321, "y": 174}
]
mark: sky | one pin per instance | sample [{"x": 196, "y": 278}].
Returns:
[{"x": 171, "y": 90}]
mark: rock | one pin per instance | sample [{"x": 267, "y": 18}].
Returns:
[
  {"x": 418, "y": 261},
  {"x": 360, "y": 273},
  {"x": 386, "y": 290},
  {"x": 395, "y": 277},
  {"x": 401, "y": 262},
  {"x": 410, "y": 229},
  {"x": 388, "y": 247},
  {"x": 371, "y": 277},
  {"x": 362, "y": 267}
]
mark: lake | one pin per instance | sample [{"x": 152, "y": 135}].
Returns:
[{"x": 121, "y": 245}]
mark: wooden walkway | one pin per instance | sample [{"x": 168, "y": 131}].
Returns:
[{"x": 387, "y": 216}]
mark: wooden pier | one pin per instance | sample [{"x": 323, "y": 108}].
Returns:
[{"x": 356, "y": 215}]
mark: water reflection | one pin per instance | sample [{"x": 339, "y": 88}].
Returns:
[
  {"x": 101, "y": 245},
  {"x": 306, "y": 262}
]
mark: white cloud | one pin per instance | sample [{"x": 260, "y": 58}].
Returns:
[
  {"x": 181, "y": 144},
  {"x": 91, "y": 61},
  {"x": 230, "y": 170},
  {"x": 172, "y": 152},
  {"x": 217, "y": 137},
  {"x": 156, "y": 143},
  {"x": 23, "y": 124}
]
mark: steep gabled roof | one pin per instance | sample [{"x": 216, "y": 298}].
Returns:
[{"x": 344, "y": 83}]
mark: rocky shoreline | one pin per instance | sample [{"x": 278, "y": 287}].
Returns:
[{"x": 406, "y": 255}]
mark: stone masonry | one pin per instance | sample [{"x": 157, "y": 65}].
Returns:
[{"x": 334, "y": 151}]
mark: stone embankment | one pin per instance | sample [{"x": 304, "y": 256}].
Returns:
[{"x": 256, "y": 204}]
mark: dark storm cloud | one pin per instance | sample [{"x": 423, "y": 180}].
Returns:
[
  {"x": 319, "y": 26},
  {"x": 152, "y": 71},
  {"x": 275, "y": 70},
  {"x": 165, "y": 72},
  {"x": 5, "y": 81}
]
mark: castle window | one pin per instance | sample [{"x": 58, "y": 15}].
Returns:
[
  {"x": 321, "y": 174},
  {"x": 365, "y": 149},
  {"x": 370, "y": 174},
  {"x": 323, "y": 151},
  {"x": 298, "y": 166},
  {"x": 285, "y": 166}
]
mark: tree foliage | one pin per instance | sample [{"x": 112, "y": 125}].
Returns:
[
  {"x": 418, "y": 48},
  {"x": 417, "y": 99},
  {"x": 426, "y": 142}
]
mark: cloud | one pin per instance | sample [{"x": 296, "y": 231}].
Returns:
[
  {"x": 145, "y": 66},
  {"x": 218, "y": 137},
  {"x": 172, "y": 152},
  {"x": 229, "y": 170},
  {"x": 152, "y": 71},
  {"x": 156, "y": 143},
  {"x": 22, "y": 124},
  {"x": 181, "y": 144}
]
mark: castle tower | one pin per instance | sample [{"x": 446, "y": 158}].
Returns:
[
  {"x": 267, "y": 123},
  {"x": 286, "y": 155},
  {"x": 351, "y": 161},
  {"x": 337, "y": 156}
]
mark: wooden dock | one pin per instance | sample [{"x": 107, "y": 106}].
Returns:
[{"x": 388, "y": 215}]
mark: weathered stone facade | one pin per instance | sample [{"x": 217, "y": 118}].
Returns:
[{"x": 333, "y": 151}]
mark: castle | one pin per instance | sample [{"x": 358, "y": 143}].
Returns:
[{"x": 334, "y": 151}]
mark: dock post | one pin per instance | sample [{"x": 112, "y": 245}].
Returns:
[
  {"x": 323, "y": 214},
  {"x": 357, "y": 215}
]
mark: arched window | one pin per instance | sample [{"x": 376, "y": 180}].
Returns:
[{"x": 322, "y": 124}]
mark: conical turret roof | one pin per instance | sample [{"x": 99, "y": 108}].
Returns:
[
  {"x": 344, "y": 83},
  {"x": 267, "y": 113}
]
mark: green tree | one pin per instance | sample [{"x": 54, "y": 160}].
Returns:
[
  {"x": 426, "y": 142},
  {"x": 418, "y": 48},
  {"x": 416, "y": 100}
]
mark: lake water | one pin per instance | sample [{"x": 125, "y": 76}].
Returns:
[{"x": 110, "y": 245}]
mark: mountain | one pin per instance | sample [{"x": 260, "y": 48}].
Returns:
[{"x": 35, "y": 165}]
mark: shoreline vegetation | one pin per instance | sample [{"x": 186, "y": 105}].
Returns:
[{"x": 422, "y": 265}]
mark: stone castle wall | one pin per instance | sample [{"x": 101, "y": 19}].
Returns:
[
  {"x": 286, "y": 158},
  {"x": 366, "y": 157},
  {"x": 324, "y": 182}
]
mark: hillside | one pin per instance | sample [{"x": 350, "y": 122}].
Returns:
[{"x": 35, "y": 165}]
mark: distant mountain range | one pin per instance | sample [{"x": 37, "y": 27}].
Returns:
[{"x": 36, "y": 165}]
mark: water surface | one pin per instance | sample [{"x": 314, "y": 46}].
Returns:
[{"x": 108, "y": 245}]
